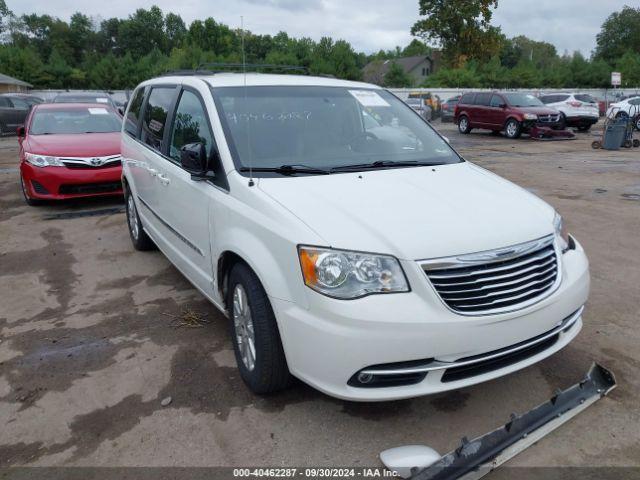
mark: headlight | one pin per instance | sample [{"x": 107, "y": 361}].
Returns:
[
  {"x": 561, "y": 232},
  {"x": 43, "y": 160},
  {"x": 530, "y": 116},
  {"x": 347, "y": 275}
]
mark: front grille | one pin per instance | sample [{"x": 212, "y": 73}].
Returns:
[
  {"x": 494, "y": 286},
  {"x": 84, "y": 166},
  {"x": 85, "y": 188},
  {"x": 39, "y": 188},
  {"x": 549, "y": 118}
]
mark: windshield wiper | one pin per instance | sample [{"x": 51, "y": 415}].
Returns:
[
  {"x": 288, "y": 170},
  {"x": 382, "y": 164}
]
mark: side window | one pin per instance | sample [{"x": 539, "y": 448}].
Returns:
[
  {"x": 4, "y": 102},
  {"x": 482, "y": 98},
  {"x": 496, "y": 101},
  {"x": 155, "y": 116},
  {"x": 547, "y": 99},
  {"x": 20, "y": 104},
  {"x": 133, "y": 114},
  {"x": 190, "y": 125},
  {"x": 635, "y": 101},
  {"x": 467, "y": 98}
]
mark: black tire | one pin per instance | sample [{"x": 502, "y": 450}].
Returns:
[
  {"x": 636, "y": 124},
  {"x": 584, "y": 128},
  {"x": 464, "y": 126},
  {"x": 627, "y": 144},
  {"x": 33, "y": 202},
  {"x": 622, "y": 115},
  {"x": 139, "y": 237},
  {"x": 636, "y": 143},
  {"x": 513, "y": 128},
  {"x": 269, "y": 372},
  {"x": 596, "y": 144}
]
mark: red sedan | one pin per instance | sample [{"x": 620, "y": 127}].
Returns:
[{"x": 70, "y": 151}]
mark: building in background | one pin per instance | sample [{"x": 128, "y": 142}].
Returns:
[
  {"x": 418, "y": 67},
  {"x": 10, "y": 84}
]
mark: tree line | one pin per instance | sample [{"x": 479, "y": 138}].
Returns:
[{"x": 118, "y": 53}]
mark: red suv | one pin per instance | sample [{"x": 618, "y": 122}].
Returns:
[
  {"x": 511, "y": 112},
  {"x": 70, "y": 150}
]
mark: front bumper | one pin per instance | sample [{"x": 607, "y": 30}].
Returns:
[
  {"x": 582, "y": 120},
  {"x": 331, "y": 341},
  {"x": 59, "y": 183}
]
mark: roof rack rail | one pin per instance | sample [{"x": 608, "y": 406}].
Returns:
[{"x": 253, "y": 66}]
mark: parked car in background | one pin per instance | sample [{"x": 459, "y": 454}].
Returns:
[
  {"x": 418, "y": 105},
  {"x": 430, "y": 100},
  {"x": 68, "y": 151},
  {"x": 512, "y": 112},
  {"x": 629, "y": 107},
  {"x": 368, "y": 266},
  {"x": 85, "y": 97},
  {"x": 27, "y": 97},
  {"x": 578, "y": 110},
  {"x": 448, "y": 108},
  {"x": 13, "y": 112}
]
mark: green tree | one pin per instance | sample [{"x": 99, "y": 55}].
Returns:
[
  {"x": 461, "y": 27},
  {"x": 629, "y": 66},
  {"x": 142, "y": 32},
  {"x": 619, "y": 33},
  {"x": 416, "y": 47},
  {"x": 397, "y": 77}
]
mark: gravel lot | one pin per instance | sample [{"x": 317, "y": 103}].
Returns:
[{"x": 91, "y": 342}]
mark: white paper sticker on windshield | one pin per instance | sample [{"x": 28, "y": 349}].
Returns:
[
  {"x": 98, "y": 111},
  {"x": 369, "y": 98},
  {"x": 102, "y": 100}
]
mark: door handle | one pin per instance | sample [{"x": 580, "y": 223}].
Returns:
[
  {"x": 163, "y": 179},
  {"x": 152, "y": 171}
]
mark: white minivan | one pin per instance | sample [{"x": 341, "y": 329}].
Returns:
[{"x": 348, "y": 243}]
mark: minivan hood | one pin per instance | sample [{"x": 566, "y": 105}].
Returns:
[
  {"x": 538, "y": 110},
  {"x": 414, "y": 213},
  {"x": 74, "y": 145}
]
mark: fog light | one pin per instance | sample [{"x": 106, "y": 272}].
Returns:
[{"x": 365, "y": 378}]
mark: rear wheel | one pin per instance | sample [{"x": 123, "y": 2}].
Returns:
[
  {"x": 254, "y": 332},
  {"x": 563, "y": 121},
  {"x": 463, "y": 124},
  {"x": 584, "y": 128},
  {"x": 34, "y": 202},
  {"x": 139, "y": 237},
  {"x": 513, "y": 128},
  {"x": 636, "y": 124}
]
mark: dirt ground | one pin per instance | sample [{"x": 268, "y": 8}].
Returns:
[{"x": 91, "y": 342}]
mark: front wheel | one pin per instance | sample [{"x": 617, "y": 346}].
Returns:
[
  {"x": 254, "y": 332},
  {"x": 513, "y": 128},
  {"x": 139, "y": 237},
  {"x": 463, "y": 125},
  {"x": 33, "y": 202}
]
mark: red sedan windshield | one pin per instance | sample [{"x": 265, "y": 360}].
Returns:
[{"x": 74, "y": 120}]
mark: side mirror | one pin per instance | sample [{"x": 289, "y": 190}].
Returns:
[
  {"x": 21, "y": 132},
  {"x": 121, "y": 111},
  {"x": 503, "y": 105},
  {"x": 193, "y": 158}
]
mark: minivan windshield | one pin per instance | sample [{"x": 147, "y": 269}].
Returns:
[
  {"x": 522, "y": 100},
  {"x": 325, "y": 128},
  {"x": 74, "y": 120}
]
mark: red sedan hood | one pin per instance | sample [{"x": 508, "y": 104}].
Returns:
[{"x": 74, "y": 145}]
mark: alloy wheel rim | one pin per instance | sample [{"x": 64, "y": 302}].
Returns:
[
  {"x": 133, "y": 217},
  {"x": 245, "y": 337},
  {"x": 463, "y": 124},
  {"x": 511, "y": 129}
]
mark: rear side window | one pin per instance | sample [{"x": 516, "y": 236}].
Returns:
[
  {"x": 4, "y": 102},
  {"x": 155, "y": 116},
  {"x": 546, "y": 99},
  {"x": 133, "y": 114},
  {"x": 467, "y": 98},
  {"x": 583, "y": 97},
  {"x": 20, "y": 104},
  {"x": 482, "y": 98}
]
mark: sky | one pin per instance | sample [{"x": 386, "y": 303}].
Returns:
[{"x": 368, "y": 25}]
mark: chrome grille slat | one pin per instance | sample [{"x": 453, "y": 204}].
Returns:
[
  {"x": 503, "y": 292},
  {"x": 452, "y": 274},
  {"x": 497, "y": 277},
  {"x": 503, "y": 300},
  {"x": 496, "y": 281},
  {"x": 456, "y": 295}
]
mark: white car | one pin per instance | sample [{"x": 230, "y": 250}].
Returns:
[
  {"x": 578, "y": 109},
  {"x": 370, "y": 268},
  {"x": 628, "y": 107}
]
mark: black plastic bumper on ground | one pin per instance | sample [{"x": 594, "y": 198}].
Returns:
[{"x": 480, "y": 455}]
